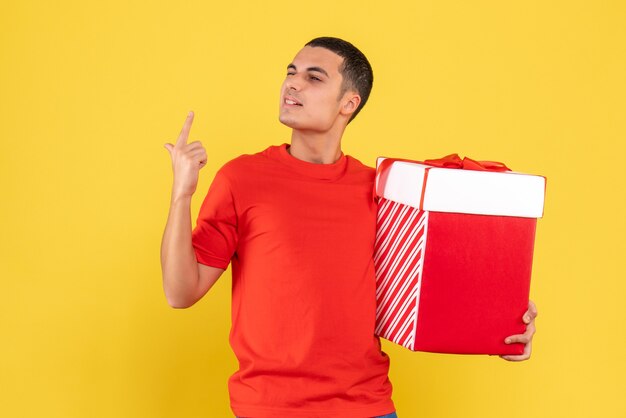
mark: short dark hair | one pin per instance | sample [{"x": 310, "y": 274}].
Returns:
[{"x": 356, "y": 70}]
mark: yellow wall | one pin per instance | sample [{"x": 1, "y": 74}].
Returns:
[{"x": 89, "y": 93}]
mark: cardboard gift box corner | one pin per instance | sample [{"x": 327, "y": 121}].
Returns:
[{"x": 453, "y": 255}]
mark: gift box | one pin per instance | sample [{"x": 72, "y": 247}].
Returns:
[{"x": 453, "y": 253}]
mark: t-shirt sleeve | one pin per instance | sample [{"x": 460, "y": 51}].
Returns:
[{"x": 214, "y": 238}]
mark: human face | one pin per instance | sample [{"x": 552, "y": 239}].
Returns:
[{"x": 310, "y": 95}]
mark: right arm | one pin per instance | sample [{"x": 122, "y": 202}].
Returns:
[{"x": 185, "y": 280}]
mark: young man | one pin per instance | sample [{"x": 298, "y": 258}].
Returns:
[{"x": 297, "y": 221}]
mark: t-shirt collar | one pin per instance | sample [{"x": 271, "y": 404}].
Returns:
[{"x": 330, "y": 171}]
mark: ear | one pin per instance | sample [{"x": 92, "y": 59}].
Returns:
[{"x": 351, "y": 101}]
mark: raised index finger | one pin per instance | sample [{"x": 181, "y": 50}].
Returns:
[{"x": 184, "y": 133}]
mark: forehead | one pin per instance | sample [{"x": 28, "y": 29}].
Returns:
[{"x": 318, "y": 57}]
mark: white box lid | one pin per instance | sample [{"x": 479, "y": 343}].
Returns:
[{"x": 464, "y": 191}]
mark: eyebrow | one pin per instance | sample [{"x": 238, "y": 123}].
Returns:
[{"x": 317, "y": 69}]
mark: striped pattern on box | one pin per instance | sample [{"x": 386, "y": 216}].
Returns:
[{"x": 399, "y": 260}]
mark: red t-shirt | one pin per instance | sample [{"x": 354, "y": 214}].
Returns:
[{"x": 301, "y": 240}]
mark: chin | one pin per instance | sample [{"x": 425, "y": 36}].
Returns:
[
  {"x": 290, "y": 122},
  {"x": 302, "y": 126}
]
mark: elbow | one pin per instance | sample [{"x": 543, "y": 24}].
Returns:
[
  {"x": 178, "y": 301},
  {"x": 176, "y": 304},
  {"x": 180, "y": 292}
]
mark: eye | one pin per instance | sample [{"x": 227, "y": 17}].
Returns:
[
  {"x": 315, "y": 78},
  {"x": 290, "y": 73}
]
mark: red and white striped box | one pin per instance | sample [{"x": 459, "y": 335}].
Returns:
[{"x": 453, "y": 255}]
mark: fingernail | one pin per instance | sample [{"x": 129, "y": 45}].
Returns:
[
  {"x": 189, "y": 114},
  {"x": 508, "y": 340}
]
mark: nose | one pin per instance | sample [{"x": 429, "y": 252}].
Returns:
[{"x": 293, "y": 83}]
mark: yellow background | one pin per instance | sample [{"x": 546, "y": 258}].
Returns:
[{"x": 90, "y": 92}]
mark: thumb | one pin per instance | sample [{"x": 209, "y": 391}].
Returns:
[{"x": 169, "y": 147}]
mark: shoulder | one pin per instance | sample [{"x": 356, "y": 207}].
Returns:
[
  {"x": 244, "y": 163},
  {"x": 357, "y": 164},
  {"x": 358, "y": 168}
]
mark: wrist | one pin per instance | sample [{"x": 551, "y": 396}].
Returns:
[{"x": 180, "y": 198}]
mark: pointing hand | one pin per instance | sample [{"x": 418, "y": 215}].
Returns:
[{"x": 187, "y": 160}]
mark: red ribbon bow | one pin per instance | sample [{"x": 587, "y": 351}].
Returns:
[
  {"x": 454, "y": 161},
  {"x": 449, "y": 161}
]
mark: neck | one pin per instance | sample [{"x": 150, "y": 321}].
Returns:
[{"x": 315, "y": 147}]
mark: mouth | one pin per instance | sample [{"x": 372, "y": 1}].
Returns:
[{"x": 290, "y": 101}]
